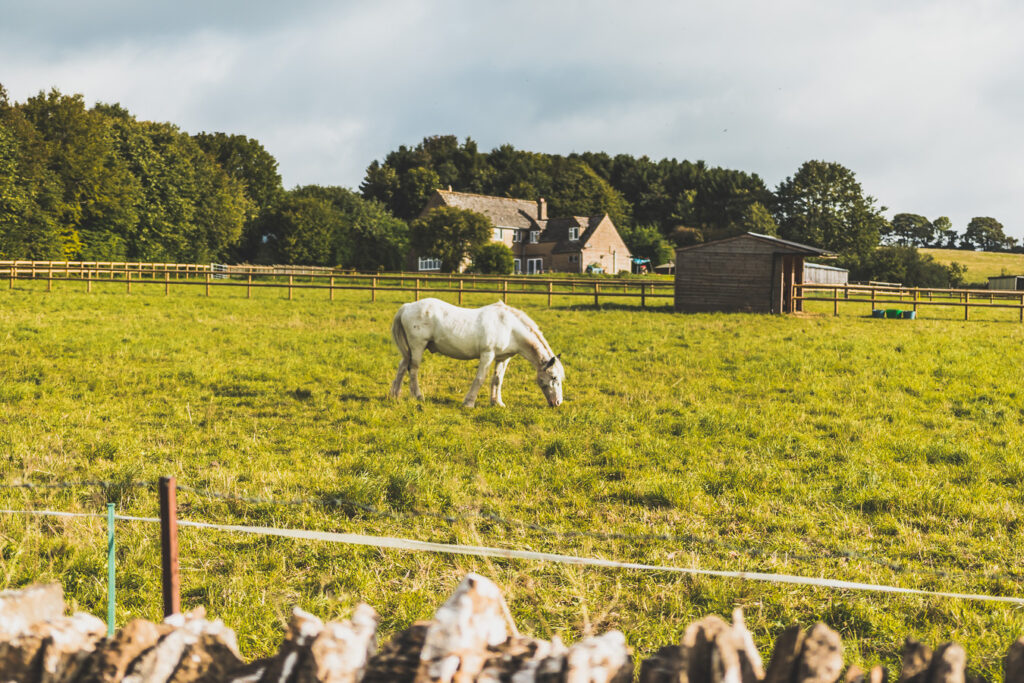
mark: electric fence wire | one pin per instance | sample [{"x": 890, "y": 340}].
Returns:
[{"x": 346, "y": 504}]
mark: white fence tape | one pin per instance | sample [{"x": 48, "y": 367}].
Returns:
[{"x": 485, "y": 551}]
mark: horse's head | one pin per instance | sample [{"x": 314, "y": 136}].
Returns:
[{"x": 549, "y": 378}]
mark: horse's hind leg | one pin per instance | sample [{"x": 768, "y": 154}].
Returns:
[
  {"x": 415, "y": 358},
  {"x": 396, "y": 386}
]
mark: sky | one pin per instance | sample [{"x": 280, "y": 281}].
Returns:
[{"x": 923, "y": 101}]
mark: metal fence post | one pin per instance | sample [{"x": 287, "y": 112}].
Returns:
[{"x": 110, "y": 570}]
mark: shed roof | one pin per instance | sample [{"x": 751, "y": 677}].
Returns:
[{"x": 782, "y": 246}]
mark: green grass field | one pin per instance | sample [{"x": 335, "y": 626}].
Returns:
[
  {"x": 880, "y": 451},
  {"x": 981, "y": 265}
]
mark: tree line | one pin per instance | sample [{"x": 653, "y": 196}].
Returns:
[{"x": 99, "y": 184}]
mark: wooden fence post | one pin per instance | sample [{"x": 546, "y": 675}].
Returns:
[
  {"x": 643, "y": 295},
  {"x": 169, "y": 545},
  {"x": 417, "y": 289},
  {"x": 461, "y": 283},
  {"x": 1022, "y": 308},
  {"x": 835, "y": 302},
  {"x": 596, "y": 287},
  {"x": 291, "y": 281},
  {"x": 88, "y": 280},
  {"x": 248, "y": 286},
  {"x": 967, "y": 306},
  {"x": 872, "y": 300},
  {"x": 14, "y": 274},
  {"x": 208, "y": 284},
  {"x": 373, "y": 289},
  {"x": 167, "y": 282},
  {"x": 128, "y": 279},
  {"x": 332, "y": 288},
  {"x": 504, "y": 291},
  {"x": 550, "y": 287}
]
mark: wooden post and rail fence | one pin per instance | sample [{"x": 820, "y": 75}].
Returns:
[
  {"x": 909, "y": 299},
  {"x": 877, "y": 297},
  {"x": 292, "y": 278}
]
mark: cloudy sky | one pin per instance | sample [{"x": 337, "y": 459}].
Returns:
[{"x": 924, "y": 101}]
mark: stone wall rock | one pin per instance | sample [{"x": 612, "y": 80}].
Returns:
[{"x": 471, "y": 639}]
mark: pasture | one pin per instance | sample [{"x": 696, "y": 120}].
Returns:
[
  {"x": 866, "y": 450},
  {"x": 980, "y": 265}
]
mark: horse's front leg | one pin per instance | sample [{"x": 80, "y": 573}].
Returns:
[
  {"x": 486, "y": 358},
  {"x": 499, "y": 375}
]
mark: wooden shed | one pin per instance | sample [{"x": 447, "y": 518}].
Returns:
[{"x": 747, "y": 273}]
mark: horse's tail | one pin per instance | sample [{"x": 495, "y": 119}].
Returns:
[{"x": 398, "y": 334}]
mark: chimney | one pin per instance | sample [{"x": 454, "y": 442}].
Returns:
[{"x": 542, "y": 209}]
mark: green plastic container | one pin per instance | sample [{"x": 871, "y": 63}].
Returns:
[{"x": 893, "y": 313}]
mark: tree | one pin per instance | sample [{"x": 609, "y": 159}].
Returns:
[
  {"x": 97, "y": 190},
  {"x": 986, "y": 234},
  {"x": 646, "y": 241},
  {"x": 822, "y": 204},
  {"x": 494, "y": 258},
  {"x": 300, "y": 230},
  {"x": 944, "y": 234},
  {"x": 450, "y": 234},
  {"x": 756, "y": 218},
  {"x": 911, "y": 229},
  {"x": 367, "y": 236},
  {"x": 29, "y": 192}
]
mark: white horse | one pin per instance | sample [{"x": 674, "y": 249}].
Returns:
[{"x": 493, "y": 333}]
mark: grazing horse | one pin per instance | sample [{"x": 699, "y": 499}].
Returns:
[{"x": 492, "y": 333}]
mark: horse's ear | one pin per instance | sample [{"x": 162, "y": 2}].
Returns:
[{"x": 550, "y": 362}]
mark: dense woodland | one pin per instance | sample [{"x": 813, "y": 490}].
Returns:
[{"x": 99, "y": 184}]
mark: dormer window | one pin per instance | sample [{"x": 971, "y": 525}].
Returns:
[
  {"x": 534, "y": 236},
  {"x": 574, "y": 234},
  {"x": 517, "y": 235}
]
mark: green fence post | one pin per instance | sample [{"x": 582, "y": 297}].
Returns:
[{"x": 110, "y": 570}]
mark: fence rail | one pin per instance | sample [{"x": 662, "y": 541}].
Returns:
[
  {"x": 331, "y": 280},
  {"x": 910, "y": 298}
]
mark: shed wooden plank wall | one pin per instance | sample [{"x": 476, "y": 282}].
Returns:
[{"x": 736, "y": 275}]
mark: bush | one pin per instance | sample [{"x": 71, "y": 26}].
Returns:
[{"x": 493, "y": 258}]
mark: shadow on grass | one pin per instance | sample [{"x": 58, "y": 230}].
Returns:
[{"x": 615, "y": 307}]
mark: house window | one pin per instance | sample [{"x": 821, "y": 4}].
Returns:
[
  {"x": 534, "y": 266},
  {"x": 496, "y": 235},
  {"x": 427, "y": 263},
  {"x": 574, "y": 234},
  {"x": 534, "y": 236},
  {"x": 517, "y": 236},
  {"x": 517, "y": 266},
  {"x": 574, "y": 258}
]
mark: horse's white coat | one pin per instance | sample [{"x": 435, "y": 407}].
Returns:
[{"x": 492, "y": 333}]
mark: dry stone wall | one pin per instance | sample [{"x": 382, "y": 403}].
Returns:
[{"x": 471, "y": 639}]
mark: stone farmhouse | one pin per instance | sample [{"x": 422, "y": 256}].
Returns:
[{"x": 539, "y": 244}]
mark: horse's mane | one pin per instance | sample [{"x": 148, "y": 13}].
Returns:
[{"x": 532, "y": 327}]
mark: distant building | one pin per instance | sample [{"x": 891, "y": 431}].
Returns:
[
  {"x": 1004, "y": 282},
  {"x": 750, "y": 273},
  {"x": 820, "y": 274},
  {"x": 539, "y": 244}
]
